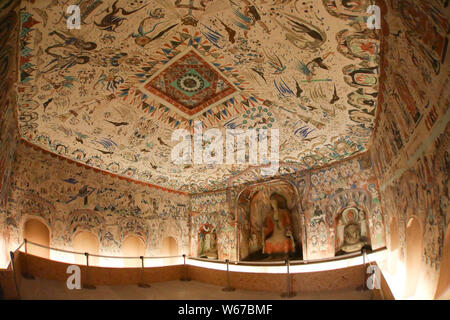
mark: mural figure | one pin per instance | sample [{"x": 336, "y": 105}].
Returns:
[
  {"x": 147, "y": 26},
  {"x": 68, "y": 40},
  {"x": 111, "y": 21}
]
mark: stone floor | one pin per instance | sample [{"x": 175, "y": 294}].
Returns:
[{"x": 41, "y": 289}]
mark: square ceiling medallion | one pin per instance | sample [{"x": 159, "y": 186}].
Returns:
[{"x": 190, "y": 85}]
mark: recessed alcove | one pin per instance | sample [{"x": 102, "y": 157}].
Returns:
[
  {"x": 86, "y": 242},
  {"x": 352, "y": 231},
  {"x": 37, "y": 232},
  {"x": 169, "y": 247},
  {"x": 443, "y": 287},
  {"x": 413, "y": 256},
  {"x": 133, "y": 246},
  {"x": 269, "y": 222}
]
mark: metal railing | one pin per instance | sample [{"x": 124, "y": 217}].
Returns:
[
  {"x": 87, "y": 285},
  {"x": 375, "y": 276},
  {"x": 26, "y": 242}
]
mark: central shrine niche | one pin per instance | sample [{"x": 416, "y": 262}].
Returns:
[
  {"x": 189, "y": 85},
  {"x": 270, "y": 226}
]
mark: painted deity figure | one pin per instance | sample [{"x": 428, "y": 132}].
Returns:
[{"x": 279, "y": 232}]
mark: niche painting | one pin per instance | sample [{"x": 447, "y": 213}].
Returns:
[{"x": 207, "y": 242}]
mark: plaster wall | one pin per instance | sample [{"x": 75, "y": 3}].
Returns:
[{"x": 410, "y": 148}]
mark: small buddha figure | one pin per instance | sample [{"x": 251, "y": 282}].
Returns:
[
  {"x": 278, "y": 226},
  {"x": 208, "y": 248},
  {"x": 352, "y": 238},
  {"x": 253, "y": 243}
]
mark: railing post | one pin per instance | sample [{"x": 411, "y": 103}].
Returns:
[
  {"x": 288, "y": 293},
  {"x": 87, "y": 284},
  {"x": 13, "y": 264},
  {"x": 185, "y": 277},
  {"x": 228, "y": 288},
  {"x": 142, "y": 284},
  {"x": 26, "y": 274}
]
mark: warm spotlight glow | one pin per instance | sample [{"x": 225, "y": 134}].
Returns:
[
  {"x": 301, "y": 268},
  {"x": 62, "y": 256},
  {"x": 110, "y": 262},
  {"x": 396, "y": 281},
  {"x": 3, "y": 263},
  {"x": 162, "y": 262}
]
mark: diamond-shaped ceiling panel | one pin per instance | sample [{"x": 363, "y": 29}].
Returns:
[{"x": 190, "y": 85}]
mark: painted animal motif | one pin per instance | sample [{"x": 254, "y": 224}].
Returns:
[
  {"x": 111, "y": 21},
  {"x": 300, "y": 33}
]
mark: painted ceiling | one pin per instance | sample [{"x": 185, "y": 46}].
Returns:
[{"x": 111, "y": 93}]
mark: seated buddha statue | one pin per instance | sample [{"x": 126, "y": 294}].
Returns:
[
  {"x": 278, "y": 228},
  {"x": 352, "y": 238},
  {"x": 208, "y": 248}
]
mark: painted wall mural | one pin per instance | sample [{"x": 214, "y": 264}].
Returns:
[
  {"x": 102, "y": 95},
  {"x": 9, "y": 133},
  {"x": 70, "y": 199},
  {"x": 411, "y": 142},
  {"x": 9, "y": 28},
  {"x": 315, "y": 200},
  {"x": 334, "y": 190}
]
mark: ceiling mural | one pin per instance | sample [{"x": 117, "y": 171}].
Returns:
[{"x": 111, "y": 93}]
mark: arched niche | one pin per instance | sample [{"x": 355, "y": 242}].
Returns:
[
  {"x": 36, "y": 231},
  {"x": 348, "y": 212},
  {"x": 86, "y": 241},
  {"x": 352, "y": 230},
  {"x": 269, "y": 224},
  {"x": 443, "y": 286},
  {"x": 414, "y": 247},
  {"x": 207, "y": 242},
  {"x": 133, "y": 226},
  {"x": 394, "y": 243},
  {"x": 169, "y": 247},
  {"x": 133, "y": 246}
]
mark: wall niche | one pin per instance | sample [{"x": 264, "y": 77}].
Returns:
[
  {"x": 349, "y": 211},
  {"x": 352, "y": 232},
  {"x": 270, "y": 227}
]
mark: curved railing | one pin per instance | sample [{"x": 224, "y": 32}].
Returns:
[
  {"x": 246, "y": 263},
  {"x": 281, "y": 267}
]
